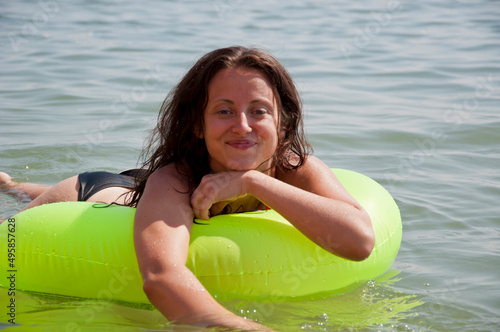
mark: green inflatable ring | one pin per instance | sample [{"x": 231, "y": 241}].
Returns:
[{"x": 76, "y": 249}]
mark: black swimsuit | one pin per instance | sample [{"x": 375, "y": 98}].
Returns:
[{"x": 93, "y": 182}]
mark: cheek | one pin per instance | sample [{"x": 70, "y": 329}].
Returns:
[
  {"x": 210, "y": 143},
  {"x": 274, "y": 138},
  {"x": 210, "y": 131}
]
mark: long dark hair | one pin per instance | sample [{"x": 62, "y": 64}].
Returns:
[{"x": 175, "y": 139}]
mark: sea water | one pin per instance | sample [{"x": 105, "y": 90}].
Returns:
[{"x": 405, "y": 92}]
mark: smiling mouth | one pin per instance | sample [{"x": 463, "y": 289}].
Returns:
[{"x": 241, "y": 144}]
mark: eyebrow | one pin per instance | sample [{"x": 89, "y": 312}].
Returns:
[{"x": 229, "y": 101}]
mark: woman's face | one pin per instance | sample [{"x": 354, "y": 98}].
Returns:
[{"x": 240, "y": 121}]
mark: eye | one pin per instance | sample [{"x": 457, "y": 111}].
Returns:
[
  {"x": 260, "y": 111},
  {"x": 224, "y": 111}
]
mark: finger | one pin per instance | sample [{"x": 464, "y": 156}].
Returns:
[
  {"x": 203, "y": 211},
  {"x": 201, "y": 203}
]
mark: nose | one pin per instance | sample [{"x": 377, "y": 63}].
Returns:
[{"x": 241, "y": 124}]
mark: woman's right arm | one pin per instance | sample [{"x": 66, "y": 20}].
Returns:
[{"x": 162, "y": 230}]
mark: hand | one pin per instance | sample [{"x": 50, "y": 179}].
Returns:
[
  {"x": 225, "y": 321},
  {"x": 219, "y": 187}
]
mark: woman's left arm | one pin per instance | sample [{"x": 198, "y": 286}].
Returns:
[{"x": 313, "y": 200}]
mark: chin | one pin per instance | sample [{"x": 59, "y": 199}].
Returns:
[
  {"x": 242, "y": 164},
  {"x": 242, "y": 168},
  {"x": 262, "y": 167}
]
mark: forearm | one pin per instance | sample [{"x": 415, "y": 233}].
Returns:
[
  {"x": 337, "y": 226},
  {"x": 182, "y": 299}
]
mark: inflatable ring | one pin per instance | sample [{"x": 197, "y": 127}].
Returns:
[{"x": 77, "y": 249}]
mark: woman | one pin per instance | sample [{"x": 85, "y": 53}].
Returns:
[{"x": 229, "y": 138}]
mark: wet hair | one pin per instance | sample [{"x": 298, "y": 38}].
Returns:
[{"x": 175, "y": 138}]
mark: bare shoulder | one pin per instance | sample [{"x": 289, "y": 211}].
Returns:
[
  {"x": 166, "y": 198},
  {"x": 166, "y": 190},
  {"x": 167, "y": 177},
  {"x": 317, "y": 177},
  {"x": 313, "y": 171}
]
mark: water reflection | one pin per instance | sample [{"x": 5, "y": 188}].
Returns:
[{"x": 374, "y": 305}]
